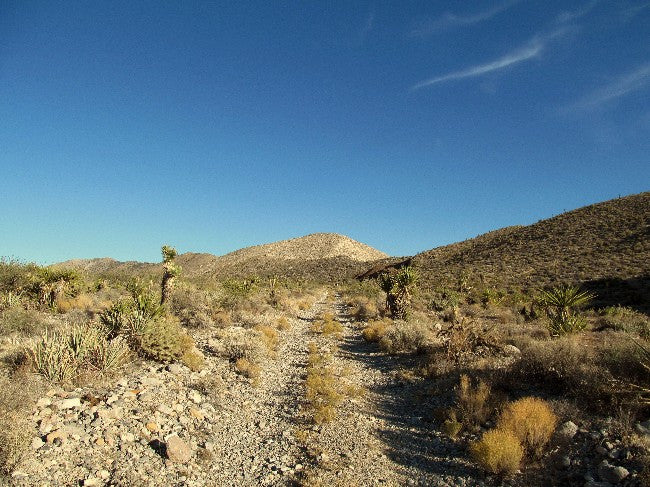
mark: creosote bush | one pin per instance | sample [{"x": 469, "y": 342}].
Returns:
[
  {"x": 531, "y": 420},
  {"x": 498, "y": 451},
  {"x": 376, "y": 329}
]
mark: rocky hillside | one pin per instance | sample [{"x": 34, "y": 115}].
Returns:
[
  {"x": 605, "y": 244},
  {"x": 326, "y": 256}
]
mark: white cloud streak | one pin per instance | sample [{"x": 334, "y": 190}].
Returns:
[
  {"x": 450, "y": 20},
  {"x": 530, "y": 50},
  {"x": 571, "y": 15},
  {"x": 634, "y": 80}
]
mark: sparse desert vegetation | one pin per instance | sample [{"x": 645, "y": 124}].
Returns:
[{"x": 455, "y": 366}]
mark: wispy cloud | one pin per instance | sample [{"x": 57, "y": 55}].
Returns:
[
  {"x": 450, "y": 20},
  {"x": 629, "y": 82},
  {"x": 530, "y": 50},
  {"x": 571, "y": 15}
]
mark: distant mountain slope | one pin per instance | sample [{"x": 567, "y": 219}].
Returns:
[
  {"x": 317, "y": 256},
  {"x": 600, "y": 242}
]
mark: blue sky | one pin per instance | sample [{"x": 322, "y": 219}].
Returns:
[{"x": 405, "y": 125}]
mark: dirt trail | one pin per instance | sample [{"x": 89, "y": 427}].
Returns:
[{"x": 386, "y": 436}]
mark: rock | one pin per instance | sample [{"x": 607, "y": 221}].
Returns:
[
  {"x": 92, "y": 482},
  {"x": 177, "y": 450},
  {"x": 511, "y": 350},
  {"x": 37, "y": 443},
  {"x": 44, "y": 402},
  {"x": 601, "y": 450},
  {"x": 152, "y": 427},
  {"x": 73, "y": 402},
  {"x": 567, "y": 431},
  {"x": 195, "y": 397},
  {"x": 104, "y": 474},
  {"x": 610, "y": 473}
]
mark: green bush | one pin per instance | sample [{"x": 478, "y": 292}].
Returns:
[{"x": 560, "y": 304}]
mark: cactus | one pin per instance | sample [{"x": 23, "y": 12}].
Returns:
[{"x": 164, "y": 340}]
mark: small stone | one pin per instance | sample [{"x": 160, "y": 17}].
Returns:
[
  {"x": 601, "y": 450},
  {"x": 104, "y": 474},
  {"x": 92, "y": 482},
  {"x": 197, "y": 414},
  {"x": 567, "y": 430},
  {"x": 195, "y": 397},
  {"x": 177, "y": 450},
  {"x": 112, "y": 398},
  {"x": 37, "y": 443},
  {"x": 57, "y": 434},
  {"x": 152, "y": 427},
  {"x": 73, "y": 402},
  {"x": 127, "y": 437},
  {"x": 610, "y": 473},
  {"x": 100, "y": 442},
  {"x": 178, "y": 407},
  {"x": 209, "y": 446}
]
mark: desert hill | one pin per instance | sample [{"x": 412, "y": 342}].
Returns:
[
  {"x": 602, "y": 244},
  {"x": 327, "y": 256}
]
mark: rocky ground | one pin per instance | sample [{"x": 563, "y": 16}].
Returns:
[{"x": 167, "y": 425}]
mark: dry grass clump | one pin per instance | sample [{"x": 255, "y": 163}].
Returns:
[
  {"x": 376, "y": 329},
  {"x": 282, "y": 323},
  {"x": 322, "y": 387},
  {"x": 406, "y": 337},
  {"x": 622, "y": 318},
  {"x": 327, "y": 325},
  {"x": 498, "y": 451},
  {"x": 247, "y": 368},
  {"x": 269, "y": 337},
  {"x": 531, "y": 420},
  {"x": 19, "y": 393}
]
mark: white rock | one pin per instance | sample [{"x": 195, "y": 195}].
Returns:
[{"x": 73, "y": 402}]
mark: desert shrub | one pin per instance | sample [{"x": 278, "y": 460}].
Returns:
[
  {"x": 531, "y": 420},
  {"x": 560, "y": 304},
  {"x": 406, "y": 337},
  {"x": 15, "y": 276},
  {"x": 247, "y": 368},
  {"x": 443, "y": 299},
  {"x": 498, "y": 451},
  {"x": 451, "y": 426},
  {"x": 563, "y": 367},
  {"x": 164, "y": 340},
  {"x": 472, "y": 401},
  {"x": 236, "y": 342},
  {"x": 195, "y": 308},
  {"x": 464, "y": 336},
  {"x": 21, "y": 321},
  {"x": 625, "y": 319},
  {"x": 376, "y": 329}
]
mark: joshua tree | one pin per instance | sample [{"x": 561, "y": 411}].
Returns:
[
  {"x": 398, "y": 288},
  {"x": 171, "y": 272}
]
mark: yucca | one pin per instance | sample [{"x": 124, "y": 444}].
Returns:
[{"x": 559, "y": 304}]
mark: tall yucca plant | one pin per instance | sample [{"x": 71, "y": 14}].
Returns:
[
  {"x": 398, "y": 288},
  {"x": 560, "y": 304},
  {"x": 171, "y": 271}
]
